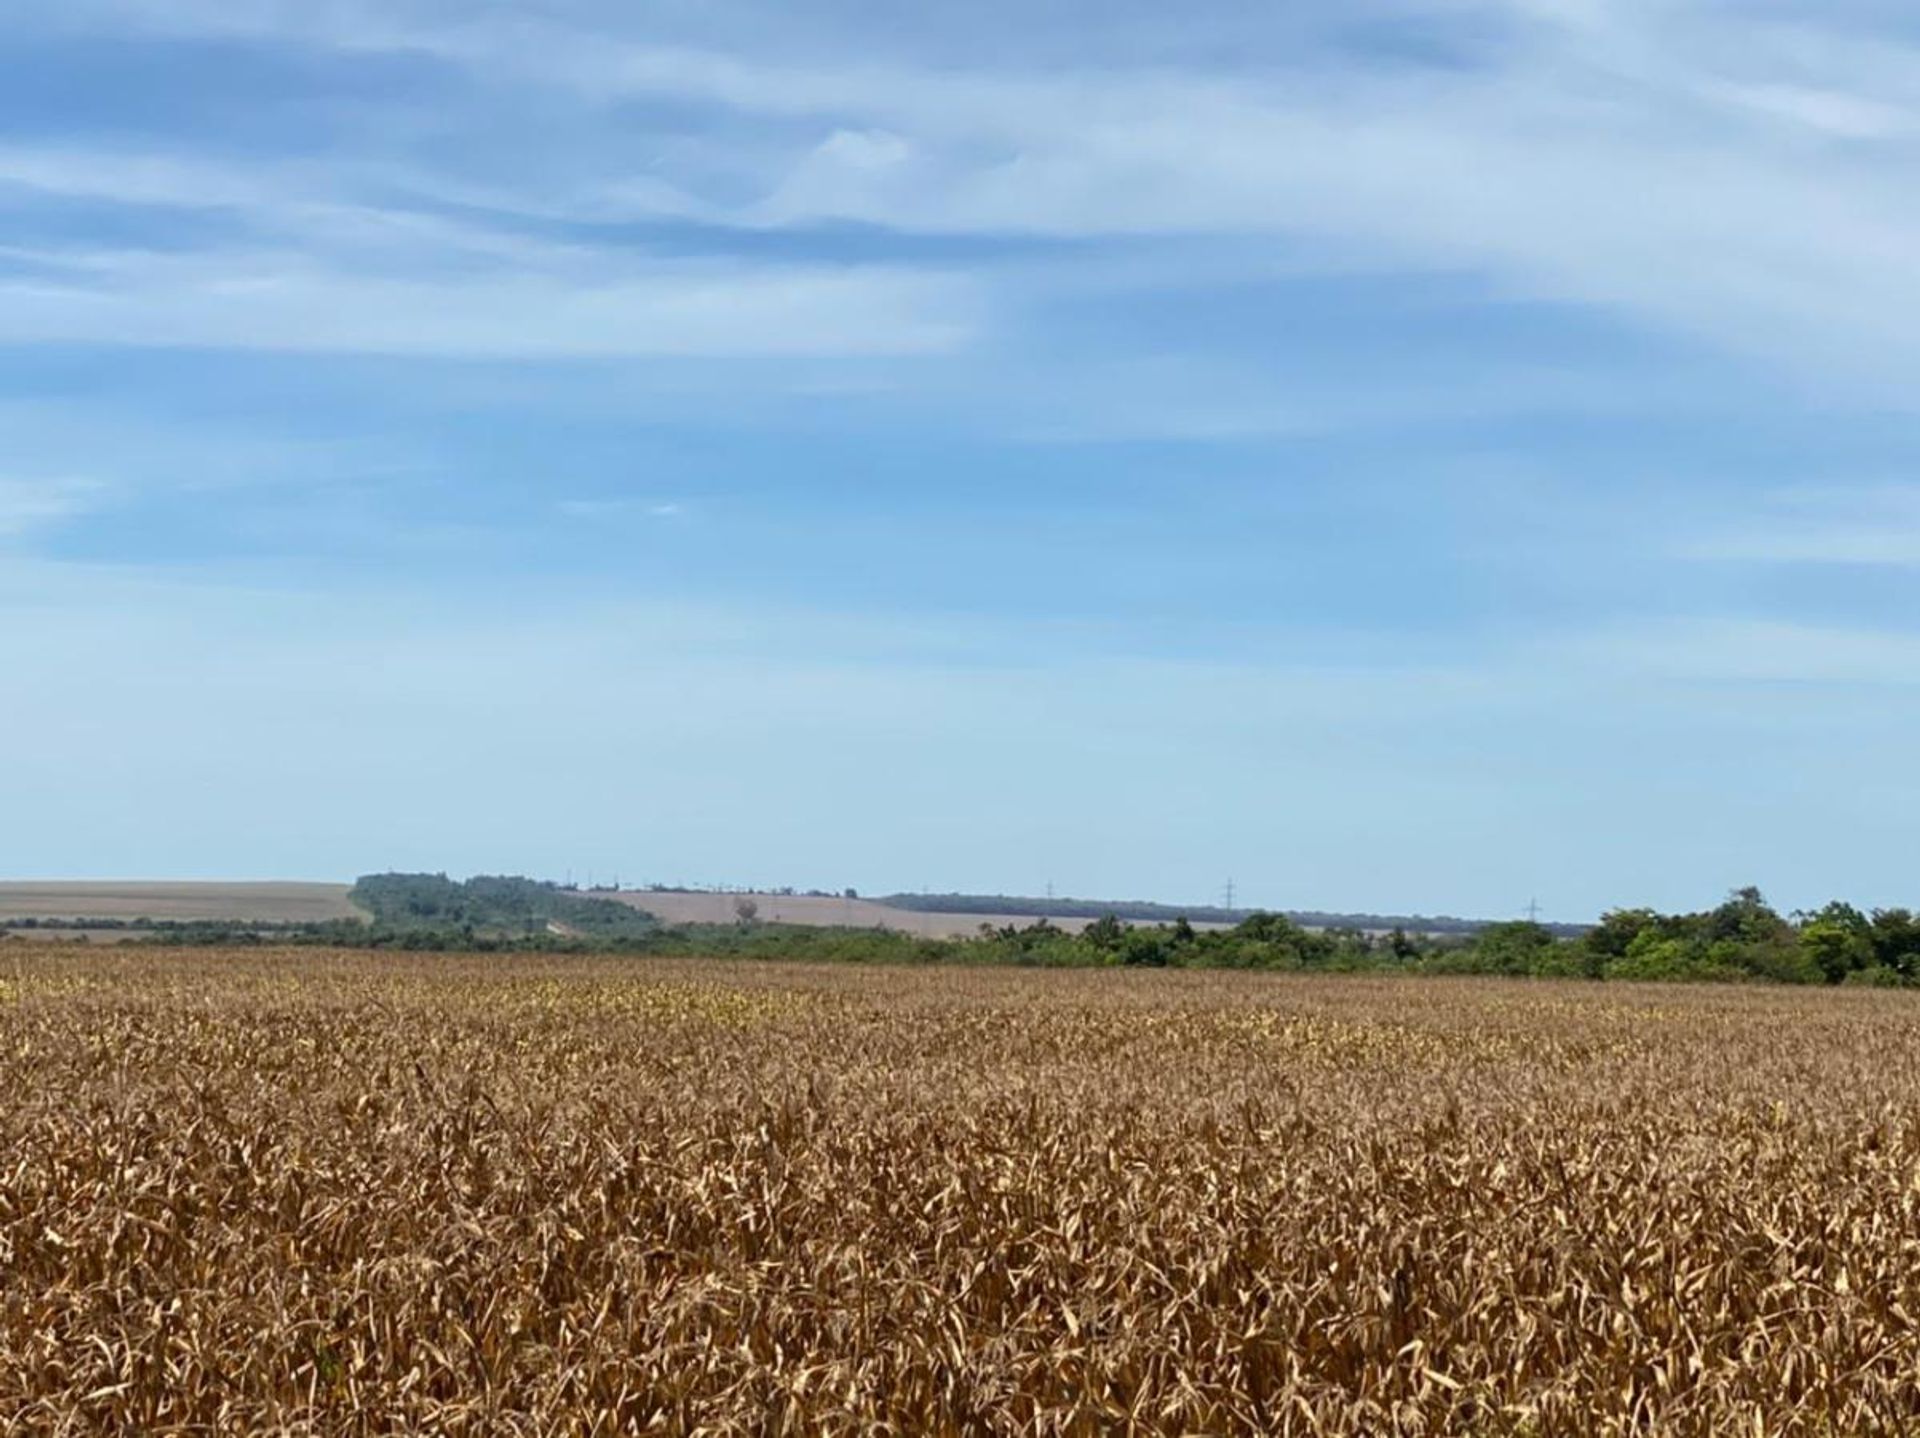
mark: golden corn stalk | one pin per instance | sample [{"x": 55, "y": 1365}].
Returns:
[{"x": 296, "y": 1192}]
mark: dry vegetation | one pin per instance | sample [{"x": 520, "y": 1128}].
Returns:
[
  {"x": 255, "y": 903},
  {"x": 322, "y": 1193},
  {"x": 304, "y": 903}
]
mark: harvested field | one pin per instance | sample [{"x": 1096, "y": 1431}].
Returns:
[
  {"x": 694, "y": 907},
  {"x": 298, "y": 903},
  {"x": 255, "y": 903},
  {"x": 311, "y": 1192}
]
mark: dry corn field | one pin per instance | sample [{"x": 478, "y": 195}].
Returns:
[{"x": 303, "y": 1192}]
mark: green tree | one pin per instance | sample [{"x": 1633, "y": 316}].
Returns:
[
  {"x": 1519, "y": 947},
  {"x": 1745, "y": 917},
  {"x": 1616, "y": 931},
  {"x": 1896, "y": 941},
  {"x": 1653, "y": 955},
  {"x": 1838, "y": 940},
  {"x": 1145, "y": 948}
]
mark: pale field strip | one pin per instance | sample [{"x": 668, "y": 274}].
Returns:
[
  {"x": 259, "y": 902},
  {"x": 289, "y": 902},
  {"x": 814, "y": 911}
]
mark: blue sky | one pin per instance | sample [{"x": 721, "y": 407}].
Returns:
[{"x": 1403, "y": 456}]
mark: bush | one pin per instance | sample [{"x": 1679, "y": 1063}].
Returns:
[
  {"x": 1650, "y": 958},
  {"x": 1875, "y": 976}
]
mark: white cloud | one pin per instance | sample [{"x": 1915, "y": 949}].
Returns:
[
  {"x": 1627, "y": 157},
  {"x": 286, "y": 303},
  {"x": 1734, "y": 650},
  {"x": 1847, "y": 117},
  {"x": 1868, "y": 526},
  {"x": 28, "y": 504},
  {"x": 1700, "y": 171},
  {"x": 344, "y": 200},
  {"x": 605, "y": 508},
  {"x": 343, "y": 266},
  {"x": 129, "y": 176}
]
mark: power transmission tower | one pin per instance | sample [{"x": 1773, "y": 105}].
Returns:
[
  {"x": 1229, "y": 904},
  {"x": 1533, "y": 911}
]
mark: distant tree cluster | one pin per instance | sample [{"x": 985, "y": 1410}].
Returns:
[
  {"x": 493, "y": 905},
  {"x": 1742, "y": 939},
  {"x": 1141, "y": 911},
  {"x": 1745, "y": 938}
]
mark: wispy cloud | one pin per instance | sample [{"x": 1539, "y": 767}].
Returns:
[
  {"x": 373, "y": 257},
  {"x": 31, "y": 504},
  {"x": 1708, "y": 174},
  {"x": 1855, "y": 525},
  {"x": 1276, "y": 279},
  {"x": 606, "y": 508},
  {"x": 290, "y": 303},
  {"x": 1735, "y": 651}
]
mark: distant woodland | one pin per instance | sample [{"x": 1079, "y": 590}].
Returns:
[
  {"x": 1741, "y": 939},
  {"x": 494, "y": 905},
  {"x": 1139, "y": 911}
]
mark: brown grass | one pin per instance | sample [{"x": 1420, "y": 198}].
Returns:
[
  {"x": 273, "y": 902},
  {"x": 286, "y": 902},
  {"x": 303, "y": 1192}
]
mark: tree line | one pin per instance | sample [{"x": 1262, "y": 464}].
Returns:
[
  {"x": 1145, "y": 911},
  {"x": 1741, "y": 939},
  {"x": 495, "y": 906}
]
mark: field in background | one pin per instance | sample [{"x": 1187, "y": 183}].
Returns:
[
  {"x": 314, "y": 903},
  {"x": 257, "y": 903},
  {"x": 307, "y": 1191},
  {"x": 679, "y": 907}
]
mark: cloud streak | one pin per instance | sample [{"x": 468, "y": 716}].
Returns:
[
  {"x": 286, "y": 303},
  {"x": 34, "y": 504},
  {"x": 1707, "y": 175},
  {"x": 1857, "y": 526}
]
